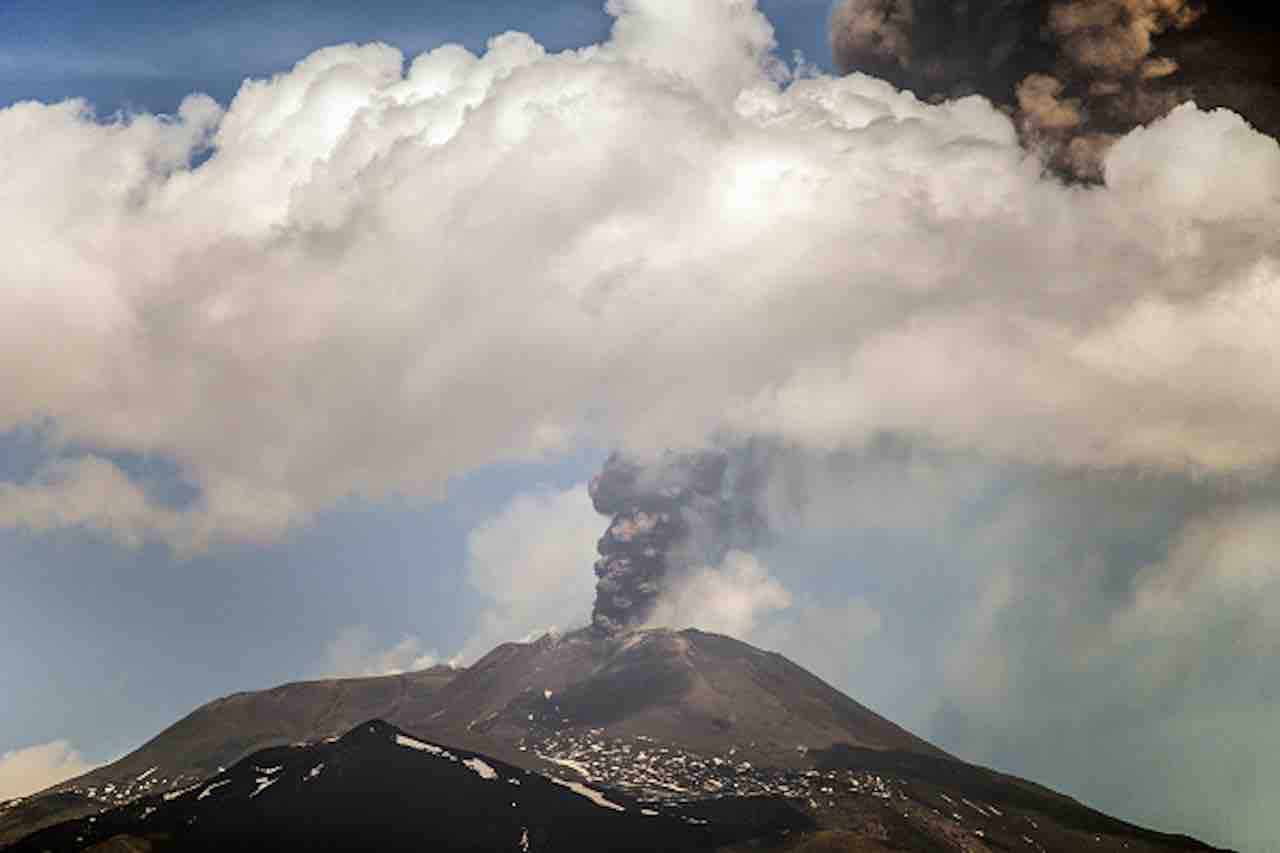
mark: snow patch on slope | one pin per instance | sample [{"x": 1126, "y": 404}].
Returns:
[
  {"x": 173, "y": 795},
  {"x": 412, "y": 743},
  {"x": 484, "y": 771},
  {"x": 591, "y": 794},
  {"x": 264, "y": 782},
  {"x": 213, "y": 787}
]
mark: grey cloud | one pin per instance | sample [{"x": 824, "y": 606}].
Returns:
[
  {"x": 1109, "y": 633},
  {"x": 1097, "y": 630}
]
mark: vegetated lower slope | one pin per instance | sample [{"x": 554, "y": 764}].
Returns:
[
  {"x": 379, "y": 788},
  {"x": 838, "y": 841}
]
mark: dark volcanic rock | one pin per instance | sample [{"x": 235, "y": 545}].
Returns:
[
  {"x": 225, "y": 730},
  {"x": 684, "y": 723},
  {"x": 1061, "y": 822},
  {"x": 23, "y": 816},
  {"x": 379, "y": 788},
  {"x": 701, "y": 692}
]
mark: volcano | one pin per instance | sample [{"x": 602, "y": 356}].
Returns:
[{"x": 678, "y": 723}]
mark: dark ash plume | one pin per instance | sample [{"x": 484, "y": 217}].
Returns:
[
  {"x": 684, "y": 510},
  {"x": 1075, "y": 74},
  {"x": 666, "y": 517},
  {"x": 939, "y": 48}
]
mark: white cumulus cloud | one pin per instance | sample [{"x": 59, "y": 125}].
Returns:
[
  {"x": 356, "y": 652},
  {"x": 531, "y": 562},
  {"x": 380, "y": 278},
  {"x": 34, "y": 768},
  {"x": 731, "y": 598}
]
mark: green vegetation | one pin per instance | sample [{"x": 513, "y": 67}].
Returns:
[{"x": 834, "y": 841}]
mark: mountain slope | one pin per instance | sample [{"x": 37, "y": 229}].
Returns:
[
  {"x": 692, "y": 689},
  {"x": 670, "y": 720},
  {"x": 225, "y": 730},
  {"x": 379, "y": 788},
  {"x": 222, "y": 732},
  {"x": 698, "y": 691}
]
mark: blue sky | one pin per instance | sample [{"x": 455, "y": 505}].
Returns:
[
  {"x": 117, "y": 643},
  {"x": 148, "y": 56},
  {"x": 311, "y": 382}
]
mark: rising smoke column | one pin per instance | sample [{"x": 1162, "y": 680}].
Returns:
[
  {"x": 682, "y": 511},
  {"x": 667, "y": 517}
]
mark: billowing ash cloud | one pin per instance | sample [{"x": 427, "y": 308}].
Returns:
[
  {"x": 1077, "y": 73},
  {"x": 689, "y": 512},
  {"x": 667, "y": 517},
  {"x": 940, "y": 47},
  {"x": 1107, "y": 56}
]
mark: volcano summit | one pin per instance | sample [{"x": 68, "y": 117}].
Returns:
[{"x": 689, "y": 728}]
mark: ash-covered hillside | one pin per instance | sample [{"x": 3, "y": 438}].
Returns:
[
  {"x": 380, "y": 788},
  {"x": 682, "y": 723}
]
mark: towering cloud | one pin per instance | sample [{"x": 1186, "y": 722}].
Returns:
[{"x": 359, "y": 279}]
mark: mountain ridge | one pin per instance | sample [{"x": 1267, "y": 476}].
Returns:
[
  {"x": 667, "y": 718},
  {"x": 379, "y": 787}
]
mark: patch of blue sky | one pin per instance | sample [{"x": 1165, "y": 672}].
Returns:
[
  {"x": 139, "y": 55},
  {"x": 152, "y": 637},
  {"x": 26, "y": 450}
]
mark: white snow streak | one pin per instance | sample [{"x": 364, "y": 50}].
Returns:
[
  {"x": 264, "y": 782},
  {"x": 209, "y": 790},
  {"x": 484, "y": 771},
  {"x": 402, "y": 740},
  {"x": 592, "y": 795},
  {"x": 173, "y": 795}
]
